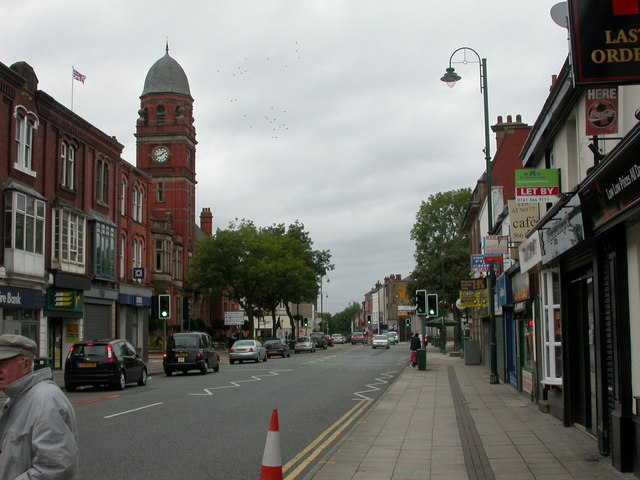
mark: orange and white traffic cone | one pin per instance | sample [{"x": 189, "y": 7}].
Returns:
[{"x": 272, "y": 458}]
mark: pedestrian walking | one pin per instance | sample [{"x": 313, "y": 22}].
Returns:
[
  {"x": 414, "y": 345},
  {"x": 38, "y": 423}
]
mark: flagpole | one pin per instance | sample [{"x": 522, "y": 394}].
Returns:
[{"x": 72, "y": 79}]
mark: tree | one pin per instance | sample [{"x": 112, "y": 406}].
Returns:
[
  {"x": 442, "y": 244},
  {"x": 344, "y": 321},
  {"x": 259, "y": 267}
]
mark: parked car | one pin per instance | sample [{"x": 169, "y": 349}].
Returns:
[
  {"x": 104, "y": 362},
  {"x": 190, "y": 351},
  {"x": 391, "y": 337},
  {"x": 358, "y": 337},
  {"x": 337, "y": 338},
  {"x": 380, "y": 341},
  {"x": 247, "y": 350},
  {"x": 304, "y": 344},
  {"x": 277, "y": 346},
  {"x": 319, "y": 339},
  {"x": 397, "y": 337},
  {"x": 329, "y": 340}
]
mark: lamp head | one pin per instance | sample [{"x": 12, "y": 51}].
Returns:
[{"x": 451, "y": 77}]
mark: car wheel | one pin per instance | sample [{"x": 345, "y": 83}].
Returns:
[
  {"x": 143, "y": 378},
  {"x": 216, "y": 369},
  {"x": 168, "y": 372},
  {"x": 295, "y": 351},
  {"x": 70, "y": 387},
  {"x": 204, "y": 368},
  {"x": 268, "y": 356},
  {"x": 265, "y": 358},
  {"x": 387, "y": 347},
  {"x": 122, "y": 381},
  {"x": 257, "y": 360},
  {"x": 232, "y": 362}
]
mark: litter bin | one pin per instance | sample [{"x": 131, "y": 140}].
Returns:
[
  {"x": 41, "y": 362},
  {"x": 422, "y": 359}
]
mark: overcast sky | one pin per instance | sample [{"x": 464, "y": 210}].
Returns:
[{"x": 330, "y": 112}]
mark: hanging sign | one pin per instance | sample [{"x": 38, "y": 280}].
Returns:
[
  {"x": 601, "y": 111},
  {"x": 537, "y": 185}
]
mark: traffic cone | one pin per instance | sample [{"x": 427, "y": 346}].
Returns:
[{"x": 272, "y": 458}]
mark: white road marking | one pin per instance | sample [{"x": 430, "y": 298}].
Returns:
[
  {"x": 133, "y": 410},
  {"x": 236, "y": 384},
  {"x": 372, "y": 386}
]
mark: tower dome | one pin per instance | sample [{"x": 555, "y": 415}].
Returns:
[{"x": 166, "y": 76}]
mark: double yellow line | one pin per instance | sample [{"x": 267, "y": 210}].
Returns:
[{"x": 318, "y": 446}]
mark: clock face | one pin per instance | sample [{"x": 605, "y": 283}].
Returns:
[{"x": 161, "y": 154}]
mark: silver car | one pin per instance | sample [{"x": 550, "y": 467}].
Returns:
[
  {"x": 251, "y": 350},
  {"x": 304, "y": 344},
  {"x": 380, "y": 341}
]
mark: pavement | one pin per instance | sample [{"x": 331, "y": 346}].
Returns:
[{"x": 448, "y": 422}]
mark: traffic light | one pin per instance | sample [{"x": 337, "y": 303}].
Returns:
[
  {"x": 421, "y": 302},
  {"x": 408, "y": 322},
  {"x": 432, "y": 305},
  {"x": 306, "y": 322},
  {"x": 368, "y": 319},
  {"x": 164, "y": 306}
]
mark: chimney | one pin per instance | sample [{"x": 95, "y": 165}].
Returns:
[
  {"x": 554, "y": 79},
  {"x": 206, "y": 221}
]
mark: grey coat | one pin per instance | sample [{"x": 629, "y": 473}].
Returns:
[{"x": 38, "y": 431}]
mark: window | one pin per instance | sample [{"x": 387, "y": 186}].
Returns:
[
  {"x": 137, "y": 204},
  {"x": 68, "y": 240},
  {"x": 104, "y": 250},
  {"x": 160, "y": 192},
  {"x": 177, "y": 264},
  {"x": 24, "y": 222},
  {"x": 138, "y": 250},
  {"x": 551, "y": 327},
  {"x": 123, "y": 197},
  {"x": 160, "y": 114},
  {"x": 102, "y": 181},
  {"x": 26, "y": 123},
  {"x": 123, "y": 246},
  {"x": 163, "y": 256},
  {"x": 68, "y": 156}
]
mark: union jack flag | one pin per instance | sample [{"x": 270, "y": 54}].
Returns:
[{"x": 78, "y": 76}]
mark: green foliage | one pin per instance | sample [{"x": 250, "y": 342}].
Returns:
[
  {"x": 259, "y": 267},
  {"x": 345, "y": 321},
  {"x": 442, "y": 245}
]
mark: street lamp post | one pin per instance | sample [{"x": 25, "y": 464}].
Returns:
[{"x": 450, "y": 78}]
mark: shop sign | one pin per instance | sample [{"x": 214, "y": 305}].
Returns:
[
  {"x": 616, "y": 188},
  {"x": 478, "y": 264},
  {"x": 138, "y": 273},
  {"x": 234, "y": 318},
  {"x": 605, "y": 40},
  {"x": 529, "y": 253},
  {"x": 503, "y": 290},
  {"x": 73, "y": 333},
  {"x": 527, "y": 381},
  {"x": 539, "y": 186},
  {"x": 520, "y": 287},
  {"x": 473, "y": 298},
  {"x": 495, "y": 245},
  {"x": 601, "y": 111},
  {"x": 522, "y": 218},
  {"x": 473, "y": 284},
  {"x": 563, "y": 231},
  {"x": 406, "y": 310},
  {"x": 21, "y": 298},
  {"x": 65, "y": 300}
]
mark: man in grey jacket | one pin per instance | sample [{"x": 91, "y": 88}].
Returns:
[{"x": 38, "y": 423}]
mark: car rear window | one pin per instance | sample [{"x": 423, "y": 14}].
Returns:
[
  {"x": 185, "y": 341},
  {"x": 89, "y": 350},
  {"x": 303, "y": 339}
]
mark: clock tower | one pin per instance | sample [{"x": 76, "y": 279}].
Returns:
[{"x": 165, "y": 149}]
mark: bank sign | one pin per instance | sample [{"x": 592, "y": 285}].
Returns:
[
  {"x": 605, "y": 40},
  {"x": 537, "y": 185}
]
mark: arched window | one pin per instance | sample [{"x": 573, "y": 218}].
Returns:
[
  {"x": 160, "y": 115},
  {"x": 67, "y": 160},
  {"x": 26, "y": 124}
]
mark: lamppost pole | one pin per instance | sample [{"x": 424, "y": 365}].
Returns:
[{"x": 451, "y": 77}]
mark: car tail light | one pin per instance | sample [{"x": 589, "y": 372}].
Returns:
[
  {"x": 109, "y": 353},
  {"x": 251, "y": 349},
  {"x": 164, "y": 356},
  {"x": 232, "y": 350},
  {"x": 199, "y": 356},
  {"x": 69, "y": 355}
]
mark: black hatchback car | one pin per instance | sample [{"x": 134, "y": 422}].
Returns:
[
  {"x": 277, "y": 346},
  {"x": 190, "y": 351},
  {"x": 104, "y": 362}
]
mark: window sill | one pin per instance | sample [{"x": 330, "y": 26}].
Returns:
[{"x": 26, "y": 170}]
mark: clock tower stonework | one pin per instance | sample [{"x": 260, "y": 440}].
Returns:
[{"x": 165, "y": 149}]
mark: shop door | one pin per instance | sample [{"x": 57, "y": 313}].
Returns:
[
  {"x": 511, "y": 350},
  {"x": 55, "y": 342},
  {"x": 582, "y": 359}
]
